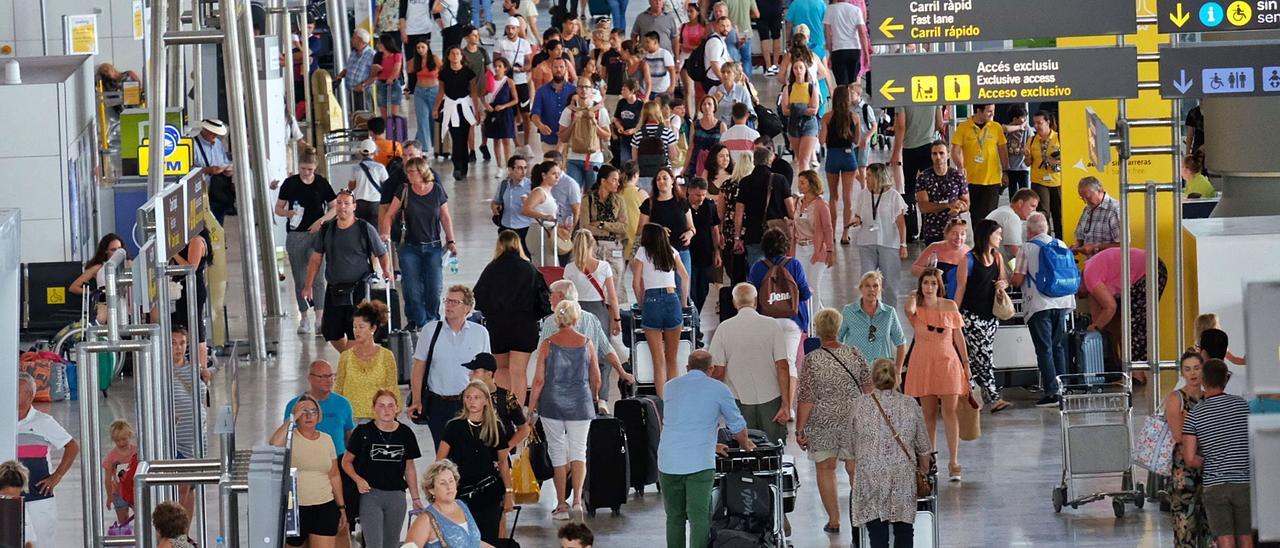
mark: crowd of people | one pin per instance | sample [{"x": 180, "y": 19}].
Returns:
[{"x": 651, "y": 154}]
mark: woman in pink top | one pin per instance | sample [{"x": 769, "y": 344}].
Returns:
[
  {"x": 688, "y": 39},
  {"x": 390, "y": 85},
  {"x": 814, "y": 236},
  {"x": 1103, "y": 284}
]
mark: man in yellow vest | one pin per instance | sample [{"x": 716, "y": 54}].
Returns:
[{"x": 978, "y": 147}]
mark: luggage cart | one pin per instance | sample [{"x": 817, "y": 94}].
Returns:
[
  {"x": 1096, "y": 413},
  {"x": 765, "y": 463}
]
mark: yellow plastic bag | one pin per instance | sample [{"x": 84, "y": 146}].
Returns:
[{"x": 526, "y": 485}]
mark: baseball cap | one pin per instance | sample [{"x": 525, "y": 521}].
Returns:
[
  {"x": 483, "y": 360},
  {"x": 368, "y": 147}
]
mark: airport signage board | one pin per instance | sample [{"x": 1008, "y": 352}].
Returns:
[
  {"x": 1013, "y": 76},
  {"x": 1178, "y": 16},
  {"x": 1220, "y": 69},
  {"x": 910, "y": 21}
]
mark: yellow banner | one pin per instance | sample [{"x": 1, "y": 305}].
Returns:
[{"x": 82, "y": 34}]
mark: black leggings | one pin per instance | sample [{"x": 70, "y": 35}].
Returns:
[
  {"x": 878, "y": 532},
  {"x": 460, "y": 153},
  {"x": 846, "y": 63}
]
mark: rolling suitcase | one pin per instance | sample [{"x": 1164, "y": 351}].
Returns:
[
  {"x": 1091, "y": 352},
  {"x": 642, "y": 417},
  {"x": 608, "y": 471},
  {"x": 397, "y": 128},
  {"x": 400, "y": 341}
]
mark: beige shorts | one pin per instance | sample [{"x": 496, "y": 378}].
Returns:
[{"x": 841, "y": 454}]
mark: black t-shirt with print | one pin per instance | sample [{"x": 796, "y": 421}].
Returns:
[
  {"x": 628, "y": 114},
  {"x": 615, "y": 71},
  {"x": 380, "y": 456},
  {"x": 476, "y": 461}
]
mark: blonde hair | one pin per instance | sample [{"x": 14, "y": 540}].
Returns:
[
  {"x": 468, "y": 296},
  {"x": 870, "y": 276},
  {"x": 743, "y": 166},
  {"x": 567, "y": 314},
  {"x": 826, "y": 324},
  {"x": 490, "y": 431},
  {"x": 584, "y": 246},
  {"x": 433, "y": 471},
  {"x": 652, "y": 113},
  {"x": 884, "y": 374},
  {"x": 876, "y": 177},
  {"x": 1203, "y": 322},
  {"x": 14, "y": 474},
  {"x": 121, "y": 429},
  {"x": 812, "y": 179},
  {"x": 421, "y": 166},
  {"x": 508, "y": 241}
]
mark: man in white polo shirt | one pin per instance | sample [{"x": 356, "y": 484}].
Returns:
[
  {"x": 38, "y": 435},
  {"x": 749, "y": 353}
]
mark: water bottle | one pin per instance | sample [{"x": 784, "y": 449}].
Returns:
[
  {"x": 933, "y": 260},
  {"x": 219, "y": 543},
  {"x": 453, "y": 263}
]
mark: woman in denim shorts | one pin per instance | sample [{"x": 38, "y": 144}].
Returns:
[
  {"x": 800, "y": 102},
  {"x": 841, "y": 132},
  {"x": 390, "y": 85},
  {"x": 654, "y": 270}
]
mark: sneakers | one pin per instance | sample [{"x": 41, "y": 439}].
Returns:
[
  {"x": 1047, "y": 401},
  {"x": 772, "y": 70},
  {"x": 304, "y": 324}
]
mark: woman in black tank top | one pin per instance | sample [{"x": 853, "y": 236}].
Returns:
[{"x": 979, "y": 277}]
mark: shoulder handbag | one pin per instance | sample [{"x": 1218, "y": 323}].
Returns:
[
  {"x": 843, "y": 366},
  {"x": 1153, "y": 449},
  {"x": 425, "y": 396},
  {"x": 1002, "y": 306},
  {"x": 924, "y": 487}
]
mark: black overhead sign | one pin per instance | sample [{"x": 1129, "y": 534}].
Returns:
[
  {"x": 1013, "y": 76},
  {"x": 907, "y": 21},
  {"x": 1218, "y": 15},
  {"x": 1221, "y": 69}
]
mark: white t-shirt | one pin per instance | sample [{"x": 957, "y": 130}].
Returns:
[
  {"x": 365, "y": 189},
  {"x": 515, "y": 52},
  {"x": 1013, "y": 230},
  {"x": 602, "y": 118},
  {"x": 844, "y": 19},
  {"x": 1029, "y": 263},
  {"x": 587, "y": 292},
  {"x": 879, "y": 216},
  {"x": 651, "y": 276},
  {"x": 658, "y": 62},
  {"x": 717, "y": 52},
  {"x": 449, "y": 15},
  {"x": 417, "y": 17}
]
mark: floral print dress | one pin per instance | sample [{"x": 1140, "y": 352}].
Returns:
[
  {"x": 1190, "y": 526},
  {"x": 832, "y": 380}
]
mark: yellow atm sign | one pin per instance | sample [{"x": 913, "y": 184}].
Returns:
[{"x": 177, "y": 162}]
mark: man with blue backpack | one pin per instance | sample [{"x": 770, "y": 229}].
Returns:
[{"x": 1046, "y": 271}]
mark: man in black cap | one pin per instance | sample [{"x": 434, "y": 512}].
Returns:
[{"x": 509, "y": 411}]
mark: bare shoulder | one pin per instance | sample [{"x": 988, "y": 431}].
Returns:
[{"x": 948, "y": 305}]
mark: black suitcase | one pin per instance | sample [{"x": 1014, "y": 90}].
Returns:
[
  {"x": 391, "y": 297},
  {"x": 642, "y": 417},
  {"x": 607, "y": 468}
]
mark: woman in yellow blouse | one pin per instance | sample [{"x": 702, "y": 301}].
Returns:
[
  {"x": 1044, "y": 153},
  {"x": 365, "y": 367}
]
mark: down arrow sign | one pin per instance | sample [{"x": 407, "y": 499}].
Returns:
[{"x": 1182, "y": 84}]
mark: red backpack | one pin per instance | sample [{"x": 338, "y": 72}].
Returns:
[{"x": 779, "y": 295}]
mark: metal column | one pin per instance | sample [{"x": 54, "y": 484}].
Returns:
[
  {"x": 247, "y": 203},
  {"x": 196, "y": 106},
  {"x": 157, "y": 92},
  {"x": 257, "y": 186},
  {"x": 338, "y": 29}
]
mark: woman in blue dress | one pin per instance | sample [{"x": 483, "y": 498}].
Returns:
[{"x": 446, "y": 521}]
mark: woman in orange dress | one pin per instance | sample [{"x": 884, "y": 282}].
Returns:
[{"x": 938, "y": 370}]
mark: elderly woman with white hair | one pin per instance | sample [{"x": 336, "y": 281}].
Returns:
[
  {"x": 563, "y": 392},
  {"x": 608, "y": 355},
  {"x": 832, "y": 379}
]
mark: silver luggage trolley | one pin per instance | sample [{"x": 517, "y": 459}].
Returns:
[
  {"x": 1096, "y": 414},
  {"x": 764, "y": 464}
]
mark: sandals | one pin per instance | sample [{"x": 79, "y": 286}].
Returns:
[
  {"x": 832, "y": 529},
  {"x": 1000, "y": 405},
  {"x": 845, "y": 241}
]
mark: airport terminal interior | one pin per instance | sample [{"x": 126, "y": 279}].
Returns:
[{"x": 1151, "y": 125}]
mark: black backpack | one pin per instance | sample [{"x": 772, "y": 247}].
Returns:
[
  {"x": 696, "y": 64},
  {"x": 651, "y": 151}
]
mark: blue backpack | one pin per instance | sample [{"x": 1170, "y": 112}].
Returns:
[{"x": 1057, "y": 275}]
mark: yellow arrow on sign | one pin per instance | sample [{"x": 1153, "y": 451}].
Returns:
[
  {"x": 887, "y": 90},
  {"x": 1179, "y": 18},
  {"x": 886, "y": 28}
]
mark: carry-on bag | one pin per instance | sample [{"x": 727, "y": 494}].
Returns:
[
  {"x": 608, "y": 470},
  {"x": 642, "y": 417}
]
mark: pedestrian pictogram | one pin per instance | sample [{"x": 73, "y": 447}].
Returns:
[
  {"x": 1211, "y": 14},
  {"x": 956, "y": 87},
  {"x": 1227, "y": 80},
  {"x": 1271, "y": 79},
  {"x": 924, "y": 89},
  {"x": 1239, "y": 13}
]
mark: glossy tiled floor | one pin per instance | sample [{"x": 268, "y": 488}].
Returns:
[{"x": 1004, "y": 500}]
